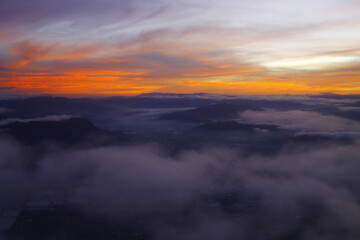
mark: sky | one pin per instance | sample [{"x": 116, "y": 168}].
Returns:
[{"x": 130, "y": 47}]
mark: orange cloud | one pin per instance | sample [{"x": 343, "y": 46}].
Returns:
[
  {"x": 82, "y": 83},
  {"x": 243, "y": 81},
  {"x": 35, "y": 51},
  {"x": 290, "y": 83},
  {"x": 111, "y": 73}
]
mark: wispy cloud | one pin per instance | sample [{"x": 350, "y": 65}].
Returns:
[{"x": 183, "y": 42}]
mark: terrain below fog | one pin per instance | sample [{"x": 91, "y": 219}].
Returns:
[{"x": 180, "y": 166}]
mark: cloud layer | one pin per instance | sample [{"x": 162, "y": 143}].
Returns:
[{"x": 300, "y": 195}]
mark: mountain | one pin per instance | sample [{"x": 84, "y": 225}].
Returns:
[
  {"x": 337, "y": 96},
  {"x": 215, "y": 111},
  {"x": 66, "y": 132},
  {"x": 235, "y": 126},
  {"x": 37, "y": 106},
  {"x": 166, "y": 101},
  {"x": 188, "y": 95},
  {"x": 324, "y": 138}
]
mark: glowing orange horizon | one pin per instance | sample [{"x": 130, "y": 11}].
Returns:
[{"x": 108, "y": 82}]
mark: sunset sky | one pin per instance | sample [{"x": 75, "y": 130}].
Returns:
[{"x": 129, "y": 47}]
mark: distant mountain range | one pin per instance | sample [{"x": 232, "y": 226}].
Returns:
[
  {"x": 235, "y": 126},
  {"x": 188, "y": 95},
  {"x": 222, "y": 110},
  {"x": 65, "y": 132}
]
